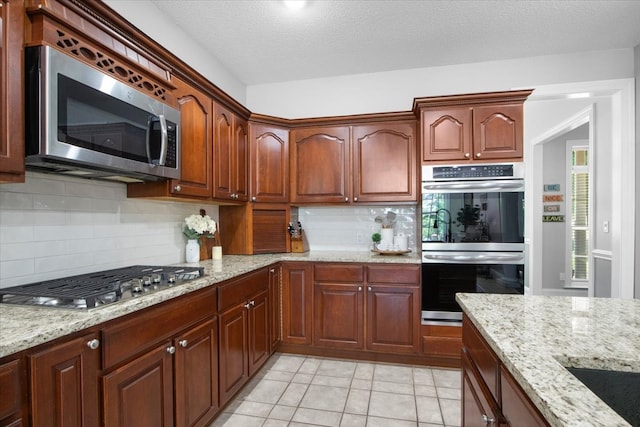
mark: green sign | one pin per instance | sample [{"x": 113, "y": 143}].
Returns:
[{"x": 552, "y": 218}]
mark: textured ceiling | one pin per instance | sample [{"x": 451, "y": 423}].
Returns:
[{"x": 262, "y": 42}]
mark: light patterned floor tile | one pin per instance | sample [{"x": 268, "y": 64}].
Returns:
[
  {"x": 425, "y": 390},
  {"x": 255, "y": 409},
  {"x": 388, "y": 422},
  {"x": 358, "y": 402},
  {"x": 267, "y": 391},
  {"x": 449, "y": 393},
  {"x": 451, "y": 412},
  {"x": 388, "y": 405},
  {"x": 325, "y": 398},
  {"x": 293, "y": 394},
  {"x": 352, "y": 420},
  {"x": 282, "y": 412},
  {"x": 428, "y": 410},
  {"x": 237, "y": 420},
  {"x": 447, "y": 378},
  {"x": 336, "y": 368},
  {"x": 389, "y": 387},
  {"x": 317, "y": 417},
  {"x": 393, "y": 373}
]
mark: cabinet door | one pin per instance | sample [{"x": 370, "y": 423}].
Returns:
[
  {"x": 497, "y": 132},
  {"x": 296, "y": 303},
  {"x": 446, "y": 134},
  {"x": 223, "y": 149},
  {"x": 275, "y": 331},
  {"x": 338, "y": 315},
  {"x": 393, "y": 318},
  {"x": 516, "y": 406},
  {"x": 140, "y": 393},
  {"x": 11, "y": 393},
  {"x": 11, "y": 84},
  {"x": 384, "y": 162},
  {"x": 196, "y": 375},
  {"x": 233, "y": 351},
  {"x": 64, "y": 384},
  {"x": 196, "y": 133},
  {"x": 258, "y": 334},
  {"x": 320, "y": 165},
  {"x": 269, "y": 163},
  {"x": 240, "y": 160},
  {"x": 478, "y": 407}
]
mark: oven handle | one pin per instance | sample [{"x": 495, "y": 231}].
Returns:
[
  {"x": 517, "y": 185},
  {"x": 474, "y": 258}
]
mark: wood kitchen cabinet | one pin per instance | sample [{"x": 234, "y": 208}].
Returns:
[
  {"x": 230, "y": 156},
  {"x": 196, "y": 139},
  {"x": 244, "y": 330},
  {"x": 269, "y": 159},
  {"x": 490, "y": 394},
  {"x": 64, "y": 383},
  {"x": 161, "y": 364},
  {"x": 363, "y": 163},
  {"x": 12, "y": 393},
  {"x": 385, "y": 162},
  {"x": 376, "y": 308},
  {"x": 321, "y": 165},
  {"x": 472, "y": 128},
  {"x": 297, "y": 288},
  {"x": 12, "y": 20}
]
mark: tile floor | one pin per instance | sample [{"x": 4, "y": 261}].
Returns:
[{"x": 292, "y": 390}]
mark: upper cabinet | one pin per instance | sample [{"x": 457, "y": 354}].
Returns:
[
  {"x": 230, "y": 156},
  {"x": 269, "y": 159},
  {"x": 363, "y": 163},
  {"x": 11, "y": 90},
  {"x": 468, "y": 128},
  {"x": 384, "y": 162},
  {"x": 320, "y": 165}
]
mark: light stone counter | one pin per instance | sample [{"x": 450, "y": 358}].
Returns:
[
  {"x": 535, "y": 337},
  {"x": 23, "y": 327}
]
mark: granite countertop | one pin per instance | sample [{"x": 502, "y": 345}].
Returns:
[
  {"x": 23, "y": 327},
  {"x": 536, "y": 337}
]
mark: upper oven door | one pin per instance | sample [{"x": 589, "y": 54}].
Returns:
[{"x": 467, "y": 215}]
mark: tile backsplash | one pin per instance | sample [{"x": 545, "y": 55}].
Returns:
[
  {"x": 53, "y": 226},
  {"x": 350, "y": 228}
]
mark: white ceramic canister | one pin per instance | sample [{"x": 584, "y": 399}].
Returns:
[
  {"x": 386, "y": 235},
  {"x": 401, "y": 241}
]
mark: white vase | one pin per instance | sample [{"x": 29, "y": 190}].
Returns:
[{"x": 192, "y": 251}]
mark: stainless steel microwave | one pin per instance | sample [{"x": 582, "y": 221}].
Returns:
[{"x": 81, "y": 121}]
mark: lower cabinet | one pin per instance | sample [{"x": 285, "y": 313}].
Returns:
[
  {"x": 374, "y": 307},
  {"x": 275, "y": 306},
  {"x": 64, "y": 383},
  {"x": 176, "y": 379},
  {"x": 297, "y": 313},
  {"x": 490, "y": 394},
  {"x": 12, "y": 392},
  {"x": 244, "y": 330}
]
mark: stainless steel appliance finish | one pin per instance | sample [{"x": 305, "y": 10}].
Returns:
[
  {"x": 472, "y": 235},
  {"x": 83, "y": 122},
  {"x": 93, "y": 290}
]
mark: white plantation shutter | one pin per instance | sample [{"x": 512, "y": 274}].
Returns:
[{"x": 579, "y": 228}]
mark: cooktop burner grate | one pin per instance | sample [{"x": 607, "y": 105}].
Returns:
[{"x": 93, "y": 289}]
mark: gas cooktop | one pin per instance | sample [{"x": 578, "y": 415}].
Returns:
[{"x": 97, "y": 289}]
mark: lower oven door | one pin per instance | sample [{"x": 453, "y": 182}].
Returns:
[{"x": 444, "y": 273}]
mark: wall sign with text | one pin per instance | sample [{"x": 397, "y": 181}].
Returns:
[{"x": 552, "y": 203}]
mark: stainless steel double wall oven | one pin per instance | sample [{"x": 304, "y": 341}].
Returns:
[{"x": 472, "y": 235}]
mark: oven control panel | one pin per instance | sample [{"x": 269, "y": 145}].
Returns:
[{"x": 476, "y": 171}]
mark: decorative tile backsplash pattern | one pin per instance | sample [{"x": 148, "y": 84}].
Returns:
[
  {"x": 350, "y": 228},
  {"x": 54, "y": 226}
]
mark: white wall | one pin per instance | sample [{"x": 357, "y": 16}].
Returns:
[
  {"x": 395, "y": 90},
  {"x": 150, "y": 20},
  {"x": 637, "y": 261},
  {"x": 53, "y": 226}
]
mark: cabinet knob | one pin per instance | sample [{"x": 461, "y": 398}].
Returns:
[
  {"x": 254, "y": 198},
  {"x": 369, "y": 288},
  {"x": 247, "y": 305},
  {"x": 272, "y": 270},
  {"x": 171, "y": 349},
  {"x": 355, "y": 199},
  {"x": 346, "y": 199},
  {"x": 177, "y": 188},
  {"x": 183, "y": 343},
  {"x": 359, "y": 288},
  {"x": 478, "y": 155},
  {"x": 252, "y": 303},
  {"x": 467, "y": 155},
  {"x": 488, "y": 421},
  {"x": 93, "y": 344}
]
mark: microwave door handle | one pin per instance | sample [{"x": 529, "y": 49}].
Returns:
[{"x": 164, "y": 139}]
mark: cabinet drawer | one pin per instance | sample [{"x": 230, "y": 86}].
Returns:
[
  {"x": 393, "y": 274},
  {"x": 481, "y": 356},
  {"x": 338, "y": 272},
  {"x": 139, "y": 331},
  {"x": 10, "y": 392},
  {"x": 240, "y": 290}
]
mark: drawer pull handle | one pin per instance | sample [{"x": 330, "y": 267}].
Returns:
[
  {"x": 171, "y": 349},
  {"x": 93, "y": 344},
  {"x": 177, "y": 188},
  {"x": 183, "y": 343}
]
